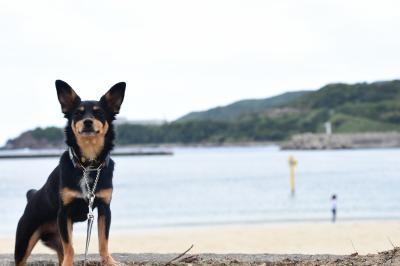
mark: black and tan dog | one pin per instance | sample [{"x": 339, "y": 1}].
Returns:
[{"x": 52, "y": 210}]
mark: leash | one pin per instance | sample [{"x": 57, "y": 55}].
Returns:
[
  {"x": 90, "y": 193},
  {"x": 90, "y": 196}
]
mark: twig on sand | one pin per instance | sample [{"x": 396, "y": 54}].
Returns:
[
  {"x": 180, "y": 256},
  {"x": 355, "y": 250},
  {"x": 190, "y": 259},
  {"x": 390, "y": 241}
]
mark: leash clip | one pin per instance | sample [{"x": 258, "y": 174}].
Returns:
[{"x": 90, "y": 214}]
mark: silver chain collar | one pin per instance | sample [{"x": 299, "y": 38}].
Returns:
[{"x": 91, "y": 191}]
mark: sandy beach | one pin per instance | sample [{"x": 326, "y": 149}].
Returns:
[{"x": 342, "y": 238}]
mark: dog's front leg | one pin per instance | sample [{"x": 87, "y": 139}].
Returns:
[
  {"x": 103, "y": 226},
  {"x": 65, "y": 229}
]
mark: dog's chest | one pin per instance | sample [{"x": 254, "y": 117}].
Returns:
[
  {"x": 82, "y": 189},
  {"x": 79, "y": 189},
  {"x": 87, "y": 181},
  {"x": 83, "y": 185}
]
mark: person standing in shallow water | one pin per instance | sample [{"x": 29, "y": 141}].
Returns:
[{"x": 334, "y": 207}]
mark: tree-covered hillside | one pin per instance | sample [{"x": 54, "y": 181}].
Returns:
[
  {"x": 361, "y": 107},
  {"x": 238, "y": 109}
]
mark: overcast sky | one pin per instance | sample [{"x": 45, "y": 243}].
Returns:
[{"x": 180, "y": 56}]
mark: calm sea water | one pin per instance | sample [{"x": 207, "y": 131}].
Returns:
[{"x": 202, "y": 186}]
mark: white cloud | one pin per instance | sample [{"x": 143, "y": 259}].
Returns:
[{"x": 179, "y": 56}]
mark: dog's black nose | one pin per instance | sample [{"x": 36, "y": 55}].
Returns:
[{"x": 88, "y": 122}]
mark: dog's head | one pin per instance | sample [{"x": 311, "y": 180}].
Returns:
[{"x": 89, "y": 130}]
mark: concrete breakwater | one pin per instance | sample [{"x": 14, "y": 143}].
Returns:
[
  {"x": 50, "y": 153},
  {"x": 310, "y": 141}
]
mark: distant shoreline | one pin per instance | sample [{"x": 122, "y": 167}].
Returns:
[
  {"x": 306, "y": 141},
  {"x": 173, "y": 145}
]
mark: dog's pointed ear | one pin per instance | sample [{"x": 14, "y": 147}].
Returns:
[
  {"x": 66, "y": 96},
  {"x": 113, "y": 99}
]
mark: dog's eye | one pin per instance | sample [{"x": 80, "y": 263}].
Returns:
[
  {"x": 97, "y": 112},
  {"x": 79, "y": 112}
]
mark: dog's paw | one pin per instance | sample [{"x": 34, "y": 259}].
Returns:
[
  {"x": 109, "y": 261},
  {"x": 67, "y": 263}
]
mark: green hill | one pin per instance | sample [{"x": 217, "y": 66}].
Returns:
[
  {"x": 338, "y": 94},
  {"x": 361, "y": 107},
  {"x": 352, "y": 108},
  {"x": 238, "y": 109}
]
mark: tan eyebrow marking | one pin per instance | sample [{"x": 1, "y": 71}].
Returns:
[
  {"x": 95, "y": 108},
  {"x": 81, "y": 108}
]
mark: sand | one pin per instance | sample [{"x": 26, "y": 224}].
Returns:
[
  {"x": 391, "y": 257},
  {"x": 342, "y": 238}
]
